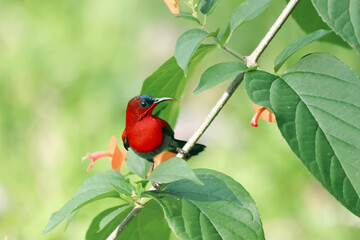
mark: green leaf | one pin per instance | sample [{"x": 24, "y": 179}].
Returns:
[
  {"x": 225, "y": 35},
  {"x": 219, "y": 73},
  {"x": 188, "y": 17},
  {"x": 343, "y": 17},
  {"x": 309, "y": 20},
  {"x": 296, "y": 45},
  {"x": 149, "y": 223},
  {"x": 317, "y": 109},
  {"x": 139, "y": 189},
  {"x": 122, "y": 187},
  {"x": 186, "y": 46},
  {"x": 220, "y": 209},
  {"x": 172, "y": 170},
  {"x": 169, "y": 81},
  {"x": 215, "y": 33},
  {"x": 136, "y": 164},
  {"x": 106, "y": 221},
  {"x": 208, "y": 6},
  {"x": 70, "y": 218},
  {"x": 143, "y": 183},
  {"x": 92, "y": 189},
  {"x": 248, "y": 10}
]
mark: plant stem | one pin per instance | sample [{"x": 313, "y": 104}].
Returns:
[
  {"x": 225, "y": 48},
  {"x": 205, "y": 19},
  {"x": 228, "y": 38},
  {"x": 233, "y": 53},
  {"x": 251, "y": 61},
  {"x": 143, "y": 201}
]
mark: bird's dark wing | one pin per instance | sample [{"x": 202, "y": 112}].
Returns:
[
  {"x": 125, "y": 141},
  {"x": 175, "y": 144},
  {"x": 126, "y": 144},
  {"x": 168, "y": 130}
]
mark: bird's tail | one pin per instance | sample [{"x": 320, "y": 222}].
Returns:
[{"x": 195, "y": 150}]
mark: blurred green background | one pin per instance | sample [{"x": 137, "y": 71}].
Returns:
[{"x": 67, "y": 71}]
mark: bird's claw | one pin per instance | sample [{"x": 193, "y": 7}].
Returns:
[
  {"x": 182, "y": 151},
  {"x": 156, "y": 185}
]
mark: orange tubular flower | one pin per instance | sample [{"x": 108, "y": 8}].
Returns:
[
  {"x": 117, "y": 157},
  {"x": 173, "y": 5},
  {"x": 262, "y": 112}
]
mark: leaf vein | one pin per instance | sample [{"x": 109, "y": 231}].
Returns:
[
  {"x": 330, "y": 99},
  {"x": 338, "y": 118},
  {"x": 320, "y": 74}
]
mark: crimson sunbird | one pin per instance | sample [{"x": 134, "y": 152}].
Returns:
[{"x": 149, "y": 135}]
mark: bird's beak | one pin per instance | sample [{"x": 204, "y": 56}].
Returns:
[{"x": 159, "y": 100}]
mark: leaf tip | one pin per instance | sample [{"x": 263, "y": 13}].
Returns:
[
  {"x": 277, "y": 67},
  {"x": 197, "y": 90},
  {"x": 198, "y": 181},
  {"x": 47, "y": 229}
]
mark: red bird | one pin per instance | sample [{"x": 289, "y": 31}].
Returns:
[{"x": 149, "y": 135}]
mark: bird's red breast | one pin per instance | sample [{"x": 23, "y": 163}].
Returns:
[{"x": 146, "y": 135}]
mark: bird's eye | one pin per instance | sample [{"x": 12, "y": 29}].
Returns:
[{"x": 143, "y": 104}]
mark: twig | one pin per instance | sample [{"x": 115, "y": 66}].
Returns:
[
  {"x": 233, "y": 53},
  {"x": 251, "y": 62},
  {"x": 143, "y": 201},
  {"x": 252, "y": 59},
  {"x": 125, "y": 222},
  {"x": 223, "y": 45}
]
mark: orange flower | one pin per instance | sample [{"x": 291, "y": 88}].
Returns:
[
  {"x": 162, "y": 157},
  {"x": 117, "y": 157},
  {"x": 173, "y": 5},
  {"x": 262, "y": 112}
]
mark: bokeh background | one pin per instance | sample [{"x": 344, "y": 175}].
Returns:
[{"x": 67, "y": 71}]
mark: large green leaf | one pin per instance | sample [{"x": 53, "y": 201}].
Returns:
[
  {"x": 149, "y": 223},
  {"x": 92, "y": 189},
  {"x": 136, "y": 164},
  {"x": 169, "y": 81},
  {"x": 309, "y": 20},
  {"x": 248, "y": 10},
  {"x": 219, "y": 73},
  {"x": 106, "y": 221},
  {"x": 317, "y": 109},
  {"x": 220, "y": 209},
  {"x": 172, "y": 170},
  {"x": 343, "y": 16},
  {"x": 187, "y": 44},
  {"x": 296, "y": 45}
]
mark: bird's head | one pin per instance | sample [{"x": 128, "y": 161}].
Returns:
[{"x": 143, "y": 105}]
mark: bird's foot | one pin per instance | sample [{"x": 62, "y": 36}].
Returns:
[{"x": 182, "y": 151}]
